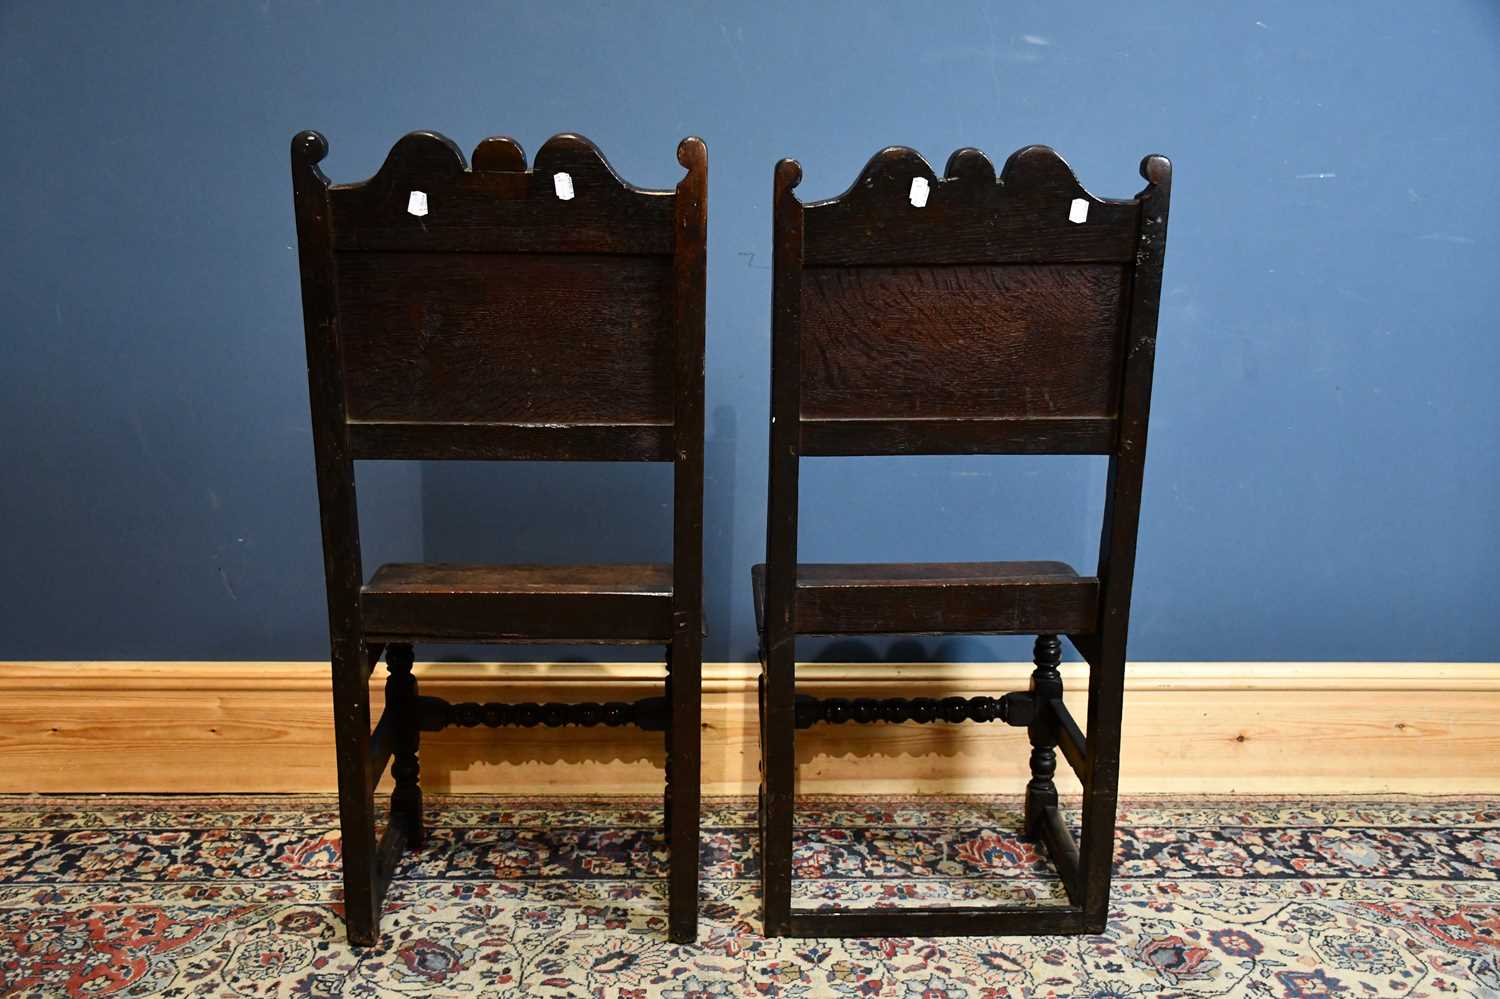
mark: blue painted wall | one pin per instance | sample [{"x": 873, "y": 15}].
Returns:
[{"x": 1325, "y": 457}]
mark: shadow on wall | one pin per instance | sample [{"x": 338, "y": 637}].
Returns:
[
  {"x": 622, "y": 512},
  {"x": 724, "y": 573},
  {"x": 561, "y": 512},
  {"x": 594, "y": 512}
]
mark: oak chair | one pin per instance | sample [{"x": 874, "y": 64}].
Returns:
[
  {"x": 960, "y": 315},
  {"x": 501, "y": 313}
]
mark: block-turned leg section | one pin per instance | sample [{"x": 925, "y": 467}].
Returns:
[
  {"x": 351, "y": 731},
  {"x": 1046, "y": 686},
  {"x": 684, "y": 740},
  {"x": 401, "y": 699}
]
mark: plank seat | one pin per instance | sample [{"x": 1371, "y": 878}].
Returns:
[
  {"x": 437, "y": 602},
  {"x": 938, "y": 598}
]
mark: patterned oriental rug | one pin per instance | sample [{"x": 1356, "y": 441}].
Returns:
[{"x": 1276, "y": 899}]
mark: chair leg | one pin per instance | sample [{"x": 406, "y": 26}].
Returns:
[
  {"x": 1101, "y": 786},
  {"x": 1046, "y": 685},
  {"x": 760, "y": 726},
  {"x": 401, "y": 697},
  {"x": 666, "y": 798},
  {"x": 351, "y": 729},
  {"x": 685, "y": 662},
  {"x": 778, "y": 732}
]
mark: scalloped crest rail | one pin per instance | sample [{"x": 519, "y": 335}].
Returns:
[{"x": 502, "y": 313}]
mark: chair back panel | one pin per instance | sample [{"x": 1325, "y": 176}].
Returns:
[
  {"x": 964, "y": 314},
  {"x": 506, "y": 337},
  {"x": 961, "y": 341}
]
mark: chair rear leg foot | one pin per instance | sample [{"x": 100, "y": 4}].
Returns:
[
  {"x": 682, "y": 804},
  {"x": 364, "y": 935},
  {"x": 351, "y": 729}
]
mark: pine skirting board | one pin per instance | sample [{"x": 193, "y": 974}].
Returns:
[{"x": 1189, "y": 727}]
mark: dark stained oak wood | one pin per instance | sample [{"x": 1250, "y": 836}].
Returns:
[
  {"x": 397, "y": 580},
  {"x": 339, "y": 513},
  {"x": 1003, "y": 435},
  {"x": 388, "y": 853},
  {"x": 382, "y": 745},
  {"x": 1117, "y": 543},
  {"x": 512, "y": 441},
  {"x": 1006, "y": 315},
  {"x": 961, "y": 341},
  {"x": 401, "y": 696},
  {"x": 506, "y": 338},
  {"x": 1053, "y": 831},
  {"x": 1046, "y": 686},
  {"x": 1015, "y": 708},
  {"x": 685, "y": 655},
  {"x": 969, "y": 218},
  {"x": 649, "y": 713},
  {"x": 778, "y": 636},
  {"x": 939, "y": 921},
  {"x": 1070, "y": 738},
  {"x": 938, "y": 598},
  {"x": 484, "y": 313},
  {"x": 434, "y": 602},
  {"x": 498, "y": 208}
]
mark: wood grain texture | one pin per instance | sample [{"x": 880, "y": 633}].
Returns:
[
  {"x": 499, "y": 206},
  {"x": 1036, "y": 435},
  {"x": 971, "y": 217},
  {"x": 778, "y": 629},
  {"x": 506, "y": 338},
  {"x": 511, "y": 441},
  {"x": 1272, "y": 728},
  {"x": 962, "y": 341},
  {"x": 483, "y": 603},
  {"x": 938, "y": 598},
  {"x": 339, "y": 515},
  {"x": 684, "y": 748}
]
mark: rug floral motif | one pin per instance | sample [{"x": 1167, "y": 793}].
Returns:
[{"x": 1267, "y": 898}]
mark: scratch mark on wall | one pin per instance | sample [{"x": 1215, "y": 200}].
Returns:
[
  {"x": 1445, "y": 237},
  {"x": 1316, "y": 176},
  {"x": 228, "y": 586},
  {"x": 735, "y": 46},
  {"x": 139, "y": 430},
  {"x": 993, "y": 49}
]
